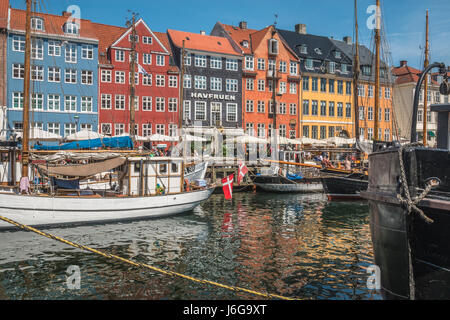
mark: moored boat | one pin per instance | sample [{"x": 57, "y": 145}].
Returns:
[{"x": 348, "y": 187}]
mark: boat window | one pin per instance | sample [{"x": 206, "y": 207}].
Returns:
[
  {"x": 137, "y": 167},
  {"x": 163, "y": 168},
  {"x": 174, "y": 168}
]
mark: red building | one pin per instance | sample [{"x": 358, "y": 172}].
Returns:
[{"x": 157, "y": 89}]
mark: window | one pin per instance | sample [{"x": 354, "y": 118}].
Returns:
[
  {"x": 305, "y": 107},
  {"x": 187, "y": 60},
  {"x": 160, "y": 60},
  {"x": 250, "y": 129},
  {"x": 305, "y": 83},
  {"x": 86, "y": 104},
  {"x": 18, "y": 71},
  {"x": 340, "y": 87},
  {"x": 331, "y": 67},
  {"x": 362, "y": 133},
  {"x": 293, "y": 88},
  {"x": 173, "y": 81},
  {"x": 54, "y": 48},
  {"x": 282, "y": 130},
  {"x": 370, "y": 91},
  {"x": 216, "y": 63},
  {"x": 147, "y": 79},
  {"x": 53, "y": 103},
  {"x": 173, "y": 104},
  {"x": 232, "y": 109},
  {"x": 200, "y": 82},
  {"x": 120, "y": 56},
  {"x": 250, "y": 84},
  {"x": 331, "y": 131},
  {"x": 387, "y": 115},
  {"x": 160, "y": 104},
  {"x": 216, "y": 84},
  {"x": 87, "y": 77},
  {"x": 323, "y": 108},
  {"x": 87, "y": 52},
  {"x": 272, "y": 64},
  {"x": 119, "y": 102},
  {"x": 200, "y": 61},
  {"x": 249, "y": 106},
  {"x": 136, "y": 78},
  {"x": 306, "y": 131},
  {"x": 130, "y": 38},
  {"x": 187, "y": 83},
  {"x": 344, "y": 68},
  {"x": 200, "y": 111},
  {"x": 106, "y": 101},
  {"x": 17, "y": 100},
  {"x": 249, "y": 63},
  {"x": 71, "y": 53},
  {"x": 283, "y": 88},
  {"x": 37, "y": 101},
  {"x": 147, "y": 130},
  {"x": 70, "y": 76},
  {"x": 160, "y": 80},
  {"x": 314, "y": 107},
  {"x": 293, "y": 69},
  {"x": 106, "y": 129},
  {"x": 293, "y": 109},
  {"x": 106, "y": 75},
  {"x": 120, "y": 77},
  {"x": 361, "y": 113},
  {"x": 387, "y": 94},
  {"x": 119, "y": 129},
  {"x": 70, "y": 103},
  {"x": 261, "y": 85},
  {"x": 232, "y": 64},
  {"x": 370, "y": 133},
  {"x": 348, "y": 88},
  {"x": 282, "y": 108},
  {"x": 147, "y": 103},
  {"x": 273, "y": 46},
  {"x": 348, "y": 110},
  {"x": 147, "y": 58},
  {"x": 283, "y": 66},
  {"x": 309, "y": 64},
  {"x": 37, "y": 73},
  {"x": 261, "y": 130},
  {"x": 136, "y": 102},
  {"x": 261, "y": 64},
  {"x": 387, "y": 135},
  {"x": 323, "y": 132},
  {"x": 315, "y": 84},
  {"x": 54, "y": 74},
  {"x": 186, "y": 110},
  {"x": 370, "y": 114},
  {"x": 232, "y": 85},
  {"x": 367, "y": 70},
  {"x": 37, "y": 49},
  {"x": 331, "y": 109},
  {"x": 18, "y": 43},
  {"x": 37, "y": 24},
  {"x": 161, "y": 129},
  {"x": 69, "y": 129},
  {"x": 53, "y": 127},
  {"x": 303, "y": 49},
  {"x": 261, "y": 107},
  {"x": 361, "y": 90},
  {"x": 71, "y": 28},
  {"x": 147, "y": 40},
  {"x": 314, "y": 132},
  {"x": 323, "y": 85},
  {"x": 331, "y": 86}
]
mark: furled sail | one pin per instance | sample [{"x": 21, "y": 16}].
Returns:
[{"x": 83, "y": 170}]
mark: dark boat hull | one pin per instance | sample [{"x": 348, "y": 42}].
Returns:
[
  {"x": 344, "y": 188},
  {"x": 279, "y": 184},
  {"x": 413, "y": 255}
]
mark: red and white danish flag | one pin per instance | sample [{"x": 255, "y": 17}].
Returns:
[
  {"x": 228, "y": 187},
  {"x": 243, "y": 170}
]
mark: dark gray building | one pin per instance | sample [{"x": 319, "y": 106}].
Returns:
[{"x": 212, "y": 80}]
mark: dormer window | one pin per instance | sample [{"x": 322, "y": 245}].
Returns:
[
  {"x": 344, "y": 68},
  {"x": 245, "y": 44},
  {"x": 303, "y": 49},
  {"x": 367, "y": 70},
  {"x": 273, "y": 46},
  {"x": 37, "y": 24},
  {"x": 331, "y": 67},
  {"x": 71, "y": 28},
  {"x": 318, "y": 50},
  {"x": 309, "y": 64},
  {"x": 337, "y": 54}
]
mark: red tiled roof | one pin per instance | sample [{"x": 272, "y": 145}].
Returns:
[
  {"x": 407, "y": 74},
  {"x": 107, "y": 35},
  {"x": 195, "y": 41},
  {"x": 239, "y": 36},
  {"x": 53, "y": 24},
  {"x": 4, "y": 5}
]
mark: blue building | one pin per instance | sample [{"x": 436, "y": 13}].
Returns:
[{"x": 64, "y": 73}]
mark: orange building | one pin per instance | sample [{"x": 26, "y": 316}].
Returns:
[{"x": 267, "y": 60}]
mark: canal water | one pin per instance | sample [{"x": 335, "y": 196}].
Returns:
[{"x": 298, "y": 246}]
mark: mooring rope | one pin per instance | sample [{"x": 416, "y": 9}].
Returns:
[{"x": 142, "y": 265}]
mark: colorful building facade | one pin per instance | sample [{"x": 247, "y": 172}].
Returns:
[
  {"x": 64, "y": 82},
  {"x": 156, "y": 82},
  {"x": 267, "y": 60}
]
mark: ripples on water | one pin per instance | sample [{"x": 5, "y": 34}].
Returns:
[{"x": 293, "y": 245}]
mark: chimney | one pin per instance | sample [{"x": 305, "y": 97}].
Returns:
[
  {"x": 66, "y": 14},
  {"x": 347, "y": 40},
  {"x": 203, "y": 33},
  {"x": 243, "y": 25},
  {"x": 300, "y": 28},
  {"x": 403, "y": 63}
]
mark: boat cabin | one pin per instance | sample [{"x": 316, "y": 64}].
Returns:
[{"x": 443, "y": 132}]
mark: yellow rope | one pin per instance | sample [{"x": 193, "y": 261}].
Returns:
[{"x": 142, "y": 265}]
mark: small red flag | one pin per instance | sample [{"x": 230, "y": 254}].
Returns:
[
  {"x": 228, "y": 187},
  {"x": 243, "y": 170}
]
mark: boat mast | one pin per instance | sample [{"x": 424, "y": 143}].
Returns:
[
  {"x": 133, "y": 79},
  {"x": 181, "y": 108},
  {"x": 274, "y": 100},
  {"x": 26, "y": 93},
  {"x": 377, "y": 71},
  {"x": 425, "y": 100},
  {"x": 356, "y": 74}
]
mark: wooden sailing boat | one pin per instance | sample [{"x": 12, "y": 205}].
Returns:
[
  {"x": 409, "y": 198},
  {"x": 146, "y": 187}
]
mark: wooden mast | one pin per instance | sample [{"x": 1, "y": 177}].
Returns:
[
  {"x": 181, "y": 107},
  {"x": 377, "y": 71},
  {"x": 133, "y": 79},
  {"x": 425, "y": 100},
  {"x": 356, "y": 74},
  {"x": 26, "y": 93}
]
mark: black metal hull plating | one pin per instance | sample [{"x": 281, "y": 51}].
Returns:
[{"x": 344, "y": 187}]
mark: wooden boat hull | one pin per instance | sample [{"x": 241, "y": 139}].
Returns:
[
  {"x": 413, "y": 256},
  {"x": 48, "y": 211}
]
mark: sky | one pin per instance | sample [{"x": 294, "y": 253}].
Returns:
[{"x": 404, "y": 20}]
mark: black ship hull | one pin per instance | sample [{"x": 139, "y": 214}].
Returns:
[
  {"x": 345, "y": 187},
  {"x": 413, "y": 255}
]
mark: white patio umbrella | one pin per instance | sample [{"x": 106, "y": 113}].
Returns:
[
  {"x": 39, "y": 134},
  {"x": 191, "y": 138},
  {"x": 284, "y": 140},
  {"x": 84, "y": 135},
  {"x": 162, "y": 138},
  {"x": 338, "y": 141},
  {"x": 312, "y": 141},
  {"x": 136, "y": 138},
  {"x": 245, "y": 139}
]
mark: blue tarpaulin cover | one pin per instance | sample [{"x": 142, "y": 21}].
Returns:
[
  {"x": 116, "y": 142},
  {"x": 294, "y": 177}
]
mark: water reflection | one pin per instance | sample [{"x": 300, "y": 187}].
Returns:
[{"x": 293, "y": 245}]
